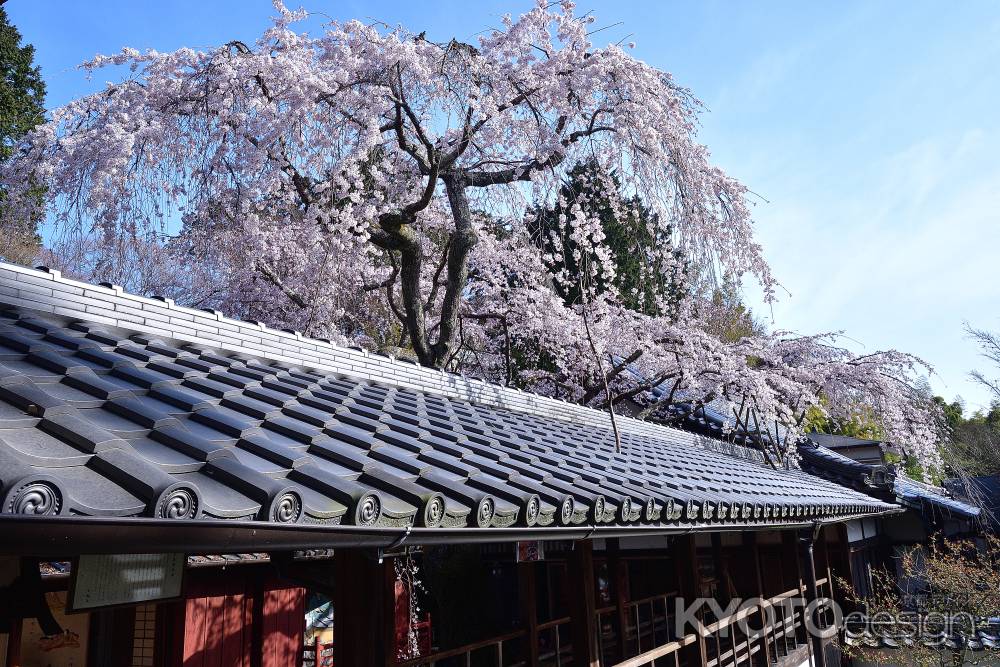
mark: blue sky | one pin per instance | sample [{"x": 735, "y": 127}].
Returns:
[{"x": 870, "y": 130}]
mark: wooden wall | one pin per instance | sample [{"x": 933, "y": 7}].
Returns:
[
  {"x": 218, "y": 629},
  {"x": 237, "y": 619},
  {"x": 283, "y": 623}
]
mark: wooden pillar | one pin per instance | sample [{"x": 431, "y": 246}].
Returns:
[
  {"x": 789, "y": 539},
  {"x": 110, "y": 637},
  {"x": 829, "y": 565},
  {"x": 722, "y": 592},
  {"x": 831, "y": 585},
  {"x": 721, "y": 569},
  {"x": 618, "y": 573},
  {"x": 528, "y": 601},
  {"x": 844, "y": 568},
  {"x": 764, "y": 614},
  {"x": 685, "y": 555},
  {"x": 386, "y": 573},
  {"x": 14, "y": 643},
  {"x": 168, "y": 646},
  {"x": 256, "y": 589},
  {"x": 363, "y": 630},
  {"x": 845, "y": 546},
  {"x": 582, "y": 605},
  {"x": 808, "y": 566}
]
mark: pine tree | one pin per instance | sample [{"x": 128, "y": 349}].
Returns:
[{"x": 22, "y": 107}]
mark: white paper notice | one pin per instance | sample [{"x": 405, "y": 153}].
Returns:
[{"x": 121, "y": 579}]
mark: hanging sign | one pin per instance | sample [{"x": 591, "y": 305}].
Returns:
[
  {"x": 124, "y": 579},
  {"x": 530, "y": 552}
]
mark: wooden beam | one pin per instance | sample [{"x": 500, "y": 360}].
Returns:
[
  {"x": 359, "y": 606},
  {"x": 528, "y": 602},
  {"x": 582, "y": 605}
]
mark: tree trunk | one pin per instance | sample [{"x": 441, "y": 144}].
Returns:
[
  {"x": 462, "y": 240},
  {"x": 411, "y": 260}
]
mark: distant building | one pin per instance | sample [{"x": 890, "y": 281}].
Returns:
[
  {"x": 983, "y": 492},
  {"x": 931, "y": 512},
  {"x": 870, "y": 452}
]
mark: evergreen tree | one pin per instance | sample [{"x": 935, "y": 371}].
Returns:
[
  {"x": 22, "y": 107},
  {"x": 630, "y": 232}
]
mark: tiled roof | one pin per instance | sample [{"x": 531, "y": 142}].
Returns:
[
  {"x": 983, "y": 492},
  {"x": 935, "y": 499},
  {"x": 825, "y": 462},
  {"x": 879, "y": 479},
  {"x": 113, "y": 405}
]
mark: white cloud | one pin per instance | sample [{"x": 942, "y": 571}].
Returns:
[{"x": 903, "y": 261}]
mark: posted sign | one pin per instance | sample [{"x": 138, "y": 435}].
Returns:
[
  {"x": 530, "y": 552},
  {"x": 124, "y": 579}
]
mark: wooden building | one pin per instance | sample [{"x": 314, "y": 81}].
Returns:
[
  {"x": 929, "y": 512},
  {"x": 182, "y": 489}
]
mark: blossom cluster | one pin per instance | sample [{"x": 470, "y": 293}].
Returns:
[{"x": 372, "y": 186}]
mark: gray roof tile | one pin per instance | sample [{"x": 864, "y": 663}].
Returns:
[{"x": 115, "y": 421}]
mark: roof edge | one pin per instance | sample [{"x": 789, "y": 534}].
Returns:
[
  {"x": 56, "y": 536},
  {"x": 830, "y": 464}
]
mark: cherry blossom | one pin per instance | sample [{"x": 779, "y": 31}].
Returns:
[{"x": 372, "y": 186}]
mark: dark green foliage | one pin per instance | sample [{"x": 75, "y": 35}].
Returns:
[
  {"x": 22, "y": 91},
  {"x": 22, "y": 107},
  {"x": 952, "y": 412},
  {"x": 974, "y": 442},
  {"x": 634, "y": 238}
]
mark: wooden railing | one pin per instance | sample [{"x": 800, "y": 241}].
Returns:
[
  {"x": 555, "y": 651},
  {"x": 493, "y": 646},
  {"x": 646, "y": 623},
  {"x": 728, "y": 646},
  {"x": 648, "y": 633}
]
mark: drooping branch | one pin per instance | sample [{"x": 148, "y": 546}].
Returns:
[
  {"x": 524, "y": 171},
  {"x": 271, "y": 276},
  {"x": 607, "y": 391},
  {"x": 616, "y": 369}
]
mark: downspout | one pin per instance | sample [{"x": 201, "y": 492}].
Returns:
[{"x": 812, "y": 619}]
